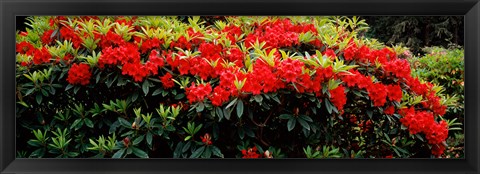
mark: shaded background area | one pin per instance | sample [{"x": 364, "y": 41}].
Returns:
[{"x": 417, "y": 32}]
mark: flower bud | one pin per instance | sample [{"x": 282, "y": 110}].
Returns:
[
  {"x": 267, "y": 154},
  {"x": 126, "y": 141}
]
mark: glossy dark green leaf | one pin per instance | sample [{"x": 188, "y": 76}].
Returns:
[
  {"x": 119, "y": 153},
  {"x": 138, "y": 140},
  {"x": 149, "y": 138},
  {"x": 216, "y": 151},
  {"x": 145, "y": 87},
  {"x": 39, "y": 98},
  {"x": 88, "y": 122},
  {"x": 198, "y": 152},
  {"x": 139, "y": 153},
  {"x": 291, "y": 124},
  {"x": 124, "y": 122},
  {"x": 156, "y": 92},
  {"x": 285, "y": 116},
  {"x": 304, "y": 124},
  {"x": 239, "y": 108}
]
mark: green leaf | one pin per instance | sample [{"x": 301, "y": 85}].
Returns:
[
  {"x": 227, "y": 113},
  {"x": 138, "y": 140},
  {"x": 329, "y": 106},
  {"x": 135, "y": 96},
  {"x": 179, "y": 96},
  {"x": 219, "y": 112},
  {"x": 216, "y": 151},
  {"x": 39, "y": 98},
  {"x": 231, "y": 103},
  {"x": 285, "y": 116},
  {"x": 198, "y": 152},
  {"x": 145, "y": 87},
  {"x": 239, "y": 108},
  {"x": 140, "y": 153},
  {"x": 29, "y": 91},
  {"x": 88, "y": 122},
  {"x": 149, "y": 138},
  {"x": 306, "y": 118},
  {"x": 186, "y": 147},
  {"x": 156, "y": 92},
  {"x": 304, "y": 124},
  {"x": 124, "y": 122},
  {"x": 119, "y": 153},
  {"x": 75, "y": 124},
  {"x": 291, "y": 124},
  {"x": 69, "y": 86}
]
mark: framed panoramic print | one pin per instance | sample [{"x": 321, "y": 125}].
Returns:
[{"x": 239, "y": 87}]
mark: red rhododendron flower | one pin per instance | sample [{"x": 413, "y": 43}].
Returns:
[
  {"x": 394, "y": 92},
  {"x": 25, "y": 48},
  {"x": 150, "y": 44},
  {"x": 111, "y": 39},
  {"x": 399, "y": 68},
  {"x": 206, "y": 139},
  {"x": 41, "y": 56},
  {"x": 135, "y": 70},
  {"x": 330, "y": 53},
  {"x": 198, "y": 93},
  {"x": 378, "y": 94},
  {"x": 68, "y": 33},
  {"x": 338, "y": 97},
  {"x": 47, "y": 37},
  {"x": 390, "y": 110},
  {"x": 290, "y": 69},
  {"x": 250, "y": 153},
  {"x": 79, "y": 74},
  {"x": 438, "y": 149},
  {"x": 219, "y": 96},
  {"x": 167, "y": 81}
]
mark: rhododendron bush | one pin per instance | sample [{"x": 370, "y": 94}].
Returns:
[{"x": 228, "y": 87}]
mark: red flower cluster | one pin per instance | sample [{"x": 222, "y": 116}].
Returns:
[
  {"x": 47, "y": 37},
  {"x": 41, "y": 56},
  {"x": 338, "y": 97},
  {"x": 127, "y": 53},
  {"x": 356, "y": 79},
  {"x": 25, "y": 48},
  {"x": 232, "y": 32},
  {"x": 111, "y": 39},
  {"x": 330, "y": 53},
  {"x": 399, "y": 68},
  {"x": 389, "y": 110},
  {"x": 198, "y": 93},
  {"x": 68, "y": 33},
  {"x": 219, "y": 96},
  {"x": 424, "y": 122},
  {"x": 290, "y": 69},
  {"x": 149, "y": 44},
  {"x": 167, "y": 81},
  {"x": 394, "y": 92},
  {"x": 251, "y": 153},
  {"x": 366, "y": 55},
  {"x": 378, "y": 94},
  {"x": 79, "y": 74},
  {"x": 279, "y": 33}
]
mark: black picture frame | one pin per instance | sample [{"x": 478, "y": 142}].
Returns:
[{"x": 9, "y": 9}]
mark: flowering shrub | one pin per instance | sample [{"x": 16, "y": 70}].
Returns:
[
  {"x": 245, "y": 87},
  {"x": 446, "y": 67}
]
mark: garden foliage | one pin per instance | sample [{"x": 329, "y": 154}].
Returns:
[{"x": 202, "y": 87}]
